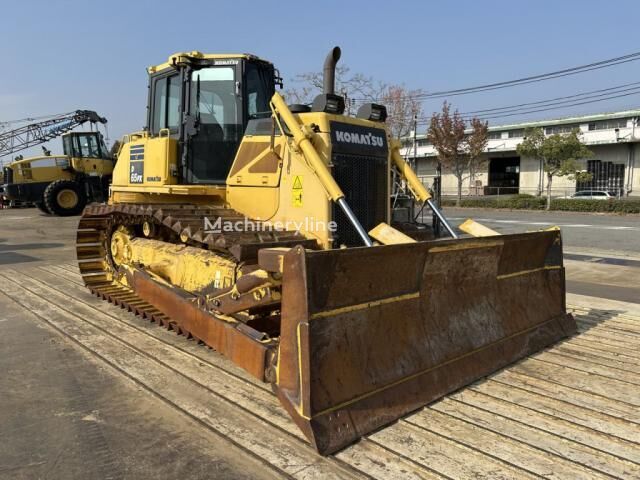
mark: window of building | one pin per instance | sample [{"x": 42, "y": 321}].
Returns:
[
  {"x": 555, "y": 129},
  {"x": 516, "y": 133},
  {"x": 494, "y": 135},
  {"x": 608, "y": 124}
]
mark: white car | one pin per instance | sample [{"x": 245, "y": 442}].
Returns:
[{"x": 593, "y": 195}]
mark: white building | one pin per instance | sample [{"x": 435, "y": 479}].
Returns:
[{"x": 614, "y": 139}]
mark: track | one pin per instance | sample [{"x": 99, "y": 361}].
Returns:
[{"x": 569, "y": 412}]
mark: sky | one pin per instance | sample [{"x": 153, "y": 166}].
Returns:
[{"x": 59, "y": 56}]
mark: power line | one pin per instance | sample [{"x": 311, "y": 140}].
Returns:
[
  {"x": 547, "y": 108},
  {"x": 526, "y": 80},
  {"x": 567, "y": 98}
]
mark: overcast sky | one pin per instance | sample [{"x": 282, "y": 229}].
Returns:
[{"x": 59, "y": 56}]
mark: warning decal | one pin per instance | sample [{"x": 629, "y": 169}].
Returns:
[{"x": 296, "y": 191}]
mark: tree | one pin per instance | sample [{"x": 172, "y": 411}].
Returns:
[
  {"x": 402, "y": 103},
  {"x": 558, "y": 153},
  {"x": 476, "y": 143},
  {"x": 458, "y": 152}
]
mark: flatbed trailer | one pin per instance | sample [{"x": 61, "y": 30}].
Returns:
[{"x": 571, "y": 411}]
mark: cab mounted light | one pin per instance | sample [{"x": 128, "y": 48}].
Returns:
[
  {"x": 373, "y": 112},
  {"x": 328, "y": 103}
]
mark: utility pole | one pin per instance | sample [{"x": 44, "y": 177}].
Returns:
[{"x": 414, "y": 164}]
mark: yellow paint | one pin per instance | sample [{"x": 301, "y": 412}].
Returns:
[
  {"x": 387, "y": 235},
  {"x": 364, "y": 306},
  {"x": 476, "y": 229},
  {"x": 526, "y": 272},
  {"x": 415, "y": 185}
]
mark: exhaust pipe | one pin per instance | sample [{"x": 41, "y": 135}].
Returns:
[{"x": 329, "y": 71}]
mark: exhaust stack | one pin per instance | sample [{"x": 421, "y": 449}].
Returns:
[{"x": 329, "y": 71}]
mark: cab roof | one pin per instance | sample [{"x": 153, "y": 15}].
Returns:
[{"x": 196, "y": 55}]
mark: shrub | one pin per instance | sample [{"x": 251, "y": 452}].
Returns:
[{"x": 529, "y": 202}]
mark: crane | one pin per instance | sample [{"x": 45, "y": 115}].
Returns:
[{"x": 36, "y": 133}]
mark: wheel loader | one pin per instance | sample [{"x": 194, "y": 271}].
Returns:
[
  {"x": 58, "y": 184},
  {"x": 262, "y": 230}
]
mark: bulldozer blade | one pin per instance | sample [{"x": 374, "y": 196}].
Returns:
[{"x": 371, "y": 334}]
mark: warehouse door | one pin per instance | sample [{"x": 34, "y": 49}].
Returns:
[
  {"x": 504, "y": 176},
  {"x": 607, "y": 176}
]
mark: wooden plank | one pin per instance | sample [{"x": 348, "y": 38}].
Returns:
[
  {"x": 612, "y": 324},
  {"x": 586, "y": 382},
  {"x": 260, "y": 402},
  {"x": 609, "y": 338},
  {"x": 203, "y": 353},
  {"x": 622, "y": 352},
  {"x": 361, "y": 457},
  {"x": 377, "y": 462},
  {"x": 444, "y": 456},
  {"x": 498, "y": 446},
  {"x": 589, "y": 366},
  {"x": 483, "y": 416},
  {"x": 555, "y": 418},
  {"x": 72, "y": 277},
  {"x": 284, "y": 452},
  {"x": 604, "y": 332},
  {"x": 599, "y": 356},
  {"x": 570, "y": 395}
]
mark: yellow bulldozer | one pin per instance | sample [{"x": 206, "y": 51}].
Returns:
[{"x": 262, "y": 230}]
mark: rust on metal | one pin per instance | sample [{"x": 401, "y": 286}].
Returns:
[
  {"x": 362, "y": 336},
  {"x": 368, "y": 335}
]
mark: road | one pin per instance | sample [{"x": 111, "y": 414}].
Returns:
[
  {"x": 619, "y": 234},
  {"x": 602, "y": 252}
]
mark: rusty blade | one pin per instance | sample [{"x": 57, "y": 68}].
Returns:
[{"x": 370, "y": 334}]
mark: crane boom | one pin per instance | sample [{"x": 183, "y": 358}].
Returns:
[{"x": 40, "y": 132}]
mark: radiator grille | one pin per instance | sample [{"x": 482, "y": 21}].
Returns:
[{"x": 363, "y": 180}]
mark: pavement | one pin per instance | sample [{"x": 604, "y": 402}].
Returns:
[{"x": 602, "y": 252}]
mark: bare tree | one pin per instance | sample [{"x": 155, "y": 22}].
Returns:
[
  {"x": 402, "y": 103},
  {"x": 446, "y": 134},
  {"x": 476, "y": 143},
  {"x": 305, "y": 86}
]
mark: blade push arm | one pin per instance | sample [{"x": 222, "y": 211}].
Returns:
[
  {"x": 301, "y": 137},
  {"x": 416, "y": 186}
]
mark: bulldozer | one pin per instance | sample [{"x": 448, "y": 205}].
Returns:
[{"x": 261, "y": 229}]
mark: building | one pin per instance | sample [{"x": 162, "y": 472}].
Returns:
[{"x": 614, "y": 139}]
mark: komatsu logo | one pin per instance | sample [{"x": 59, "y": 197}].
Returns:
[
  {"x": 351, "y": 139},
  {"x": 360, "y": 138}
]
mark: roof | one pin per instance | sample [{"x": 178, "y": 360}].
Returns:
[
  {"x": 568, "y": 120},
  {"x": 195, "y": 54},
  {"x": 562, "y": 121}
]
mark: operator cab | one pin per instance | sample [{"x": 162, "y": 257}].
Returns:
[
  {"x": 85, "y": 145},
  {"x": 205, "y": 102}
]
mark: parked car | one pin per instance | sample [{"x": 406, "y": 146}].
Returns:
[{"x": 593, "y": 195}]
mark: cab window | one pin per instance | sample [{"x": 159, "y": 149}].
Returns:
[
  {"x": 260, "y": 89},
  {"x": 166, "y": 104},
  {"x": 87, "y": 146}
]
